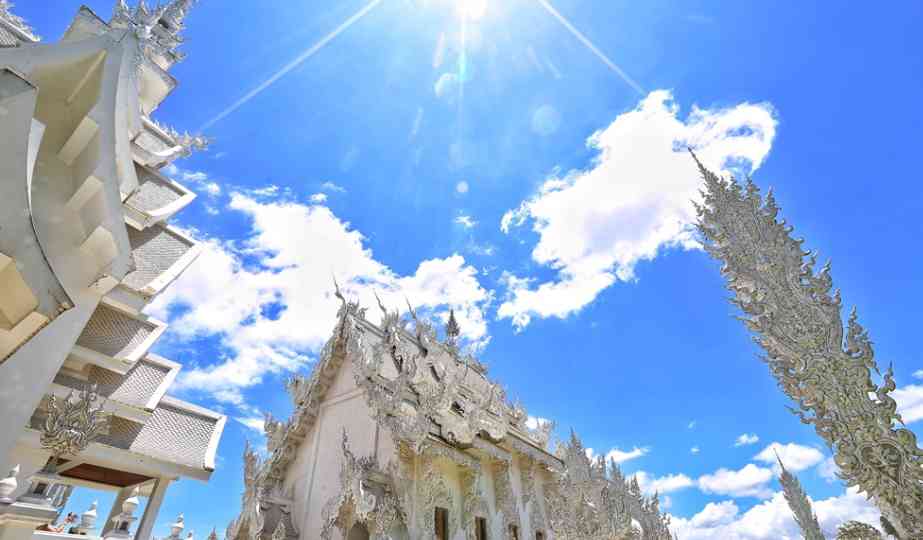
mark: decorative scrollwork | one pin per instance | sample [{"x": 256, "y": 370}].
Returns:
[
  {"x": 797, "y": 321},
  {"x": 72, "y": 424},
  {"x": 364, "y": 498},
  {"x": 154, "y": 39},
  {"x": 587, "y": 502}
]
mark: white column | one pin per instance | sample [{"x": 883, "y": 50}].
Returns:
[
  {"x": 124, "y": 493},
  {"x": 146, "y": 526}
]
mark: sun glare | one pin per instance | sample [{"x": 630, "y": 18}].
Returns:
[{"x": 472, "y": 9}]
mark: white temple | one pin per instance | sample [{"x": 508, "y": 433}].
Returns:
[
  {"x": 399, "y": 435},
  {"x": 85, "y": 244},
  {"x": 396, "y": 434}
]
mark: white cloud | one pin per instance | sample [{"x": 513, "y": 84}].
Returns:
[
  {"x": 333, "y": 188},
  {"x": 621, "y": 456},
  {"x": 212, "y": 188},
  {"x": 715, "y": 514},
  {"x": 750, "y": 481},
  {"x": 275, "y": 317},
  {"x": 193, "y": 179},
  {"x": 465, "y": 221},
  {"x": 828, "y": 470},
  {"x": 691, "y": 425},
  {"x": 771, "y": 519},
  {"x": 663, "y": 484},
  {"x": 318, "y": 198},
  {"x": 918, "y": 374},
  {"x": 909, "y": 402},
  {"x": 694, "y": 450},
  {"x": 461, "y": 187},
  {"x": 795, "y": 457},
  {"x": 256, "y": 423},
  {"x": 595, "y": 225},
  {"x": 746, "y": 438}
]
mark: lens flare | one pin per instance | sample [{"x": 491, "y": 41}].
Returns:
[{"x": 471, "y": 9}]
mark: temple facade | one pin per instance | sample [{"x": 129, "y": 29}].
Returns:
[
  {"x": 85, "y": 244},
  {"x": 397, "y": 434}
]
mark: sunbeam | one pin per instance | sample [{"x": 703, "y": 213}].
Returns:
[
  {"x": 589, "y": 45},
  {"x": 308, "y": 53}
]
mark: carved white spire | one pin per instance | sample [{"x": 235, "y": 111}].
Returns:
[
  {"x": 799, "y": 504},
  {"x": 176, "y": 528},
  {"x": 824, "y": 369},
  {"x": 158, "y": 29},
  {"x": 452, "y": 330}
]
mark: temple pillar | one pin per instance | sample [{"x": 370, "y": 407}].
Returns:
[
  {"x": 146, "y": 526},
  {"x": 116, "y": 509}
]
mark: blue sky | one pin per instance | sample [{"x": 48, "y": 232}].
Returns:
[{"x": 466, "y": 176}]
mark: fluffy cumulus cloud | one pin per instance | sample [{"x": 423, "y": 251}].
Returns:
[
  {"x": 771, "y": 519},
  {"x": 616, "y": 454},
  {"x": 909, "y": 402},
  {"x": 662, "y": 484},
  {"x": 594, "y": 225},
  {"x": 750, "y": 481},
  {"x": 269, "y": 299},
  {"x": 795, "y": 457},
  {"x": 746, "y": 439}
]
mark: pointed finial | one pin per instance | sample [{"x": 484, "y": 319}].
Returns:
[
  {"x": 452, "y": 330},
  {"x": 380, "y": 305},
  {"x": 781, "y": 465},
  {"x": 337, "y": 293},
  {"x": 177, "y": 527},
  {"x": 213, "y": 535},
  {"x": 413, "y": 313}
]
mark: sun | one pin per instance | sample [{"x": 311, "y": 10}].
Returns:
[{"x": 471, "y": 9}]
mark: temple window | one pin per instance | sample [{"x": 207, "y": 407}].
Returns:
[
  {"x": 539, "y": 535},
  {"x": 514, "y": 532}
]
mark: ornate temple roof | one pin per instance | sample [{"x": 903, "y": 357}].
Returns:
[
  {"x": 177, "y": 433},
  {"x": 442, "y": 396},
  {"x": 142, "y": 387},
  {"x": 114, "y": 334},
  {"x": 437, "y": 402},
  {"x": 161, "y": 253},
  {"x": 13, "y": 29},
  {"x": 156, "y": 199}
]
